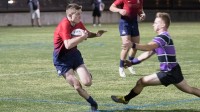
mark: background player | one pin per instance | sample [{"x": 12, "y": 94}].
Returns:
[
  {"x": 34, "y": 7},
  {"x": 98, "y": 7},
  {"x": 128, "y": 27}
]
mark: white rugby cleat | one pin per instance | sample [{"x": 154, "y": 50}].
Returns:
[
  {"x": 121, "y": 72},
  {"x": 131, "y": 69}
]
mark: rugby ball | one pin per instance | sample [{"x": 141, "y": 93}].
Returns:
[{"x": 77, "y": 32}]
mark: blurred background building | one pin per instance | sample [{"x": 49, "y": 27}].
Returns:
[{"x": 16, "y": 12}]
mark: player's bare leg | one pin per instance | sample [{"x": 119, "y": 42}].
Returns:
[
  {"x": 86, "y": 79},
  {"x": 74, "y": 82},
  {"x": 183, "y": 86},
  {"x": 150, "y": 80},
  {"x": 132, "y": 53},
  {"x": 84, "y": 75},
  {"x": 38, "y": 22},
  {"x": 123, "y": 56},
  {"x": 99, "y": 22},
  {"x": 32, "y": 22},
  {"x": 94, "y": 21}
]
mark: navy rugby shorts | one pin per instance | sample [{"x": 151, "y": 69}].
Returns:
[
  {"x": 96, "y": 12},
  {"x": 128, "y": 28},
  {"x": 68, "y": 61}
]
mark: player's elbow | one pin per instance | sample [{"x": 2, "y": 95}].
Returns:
[
  {"x": 111, "y": 7},
  {"x": 67, "y": 46}
]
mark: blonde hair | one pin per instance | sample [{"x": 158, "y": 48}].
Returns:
[
  {"x": 72, "y": 8},
  {"x": 165, "y": 17}
]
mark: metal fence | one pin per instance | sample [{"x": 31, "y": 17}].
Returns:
[{"x": 59, "y": 5}]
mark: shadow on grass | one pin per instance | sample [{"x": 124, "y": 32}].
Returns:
[{"x": 135, "y": 110}]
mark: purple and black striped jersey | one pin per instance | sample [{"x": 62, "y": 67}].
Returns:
[{"x": 166, "y": 51}]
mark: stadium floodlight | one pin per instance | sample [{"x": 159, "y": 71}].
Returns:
[{"x": 10, "y": 1}]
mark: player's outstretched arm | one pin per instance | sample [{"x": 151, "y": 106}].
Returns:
[
  {"x": 145, "y": 55},
  {"x": 98, "y": 34},
  {"x": 142, "y": 47}
]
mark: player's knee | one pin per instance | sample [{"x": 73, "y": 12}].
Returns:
[
  {"x": 139, "y": 82},
  {"x": 77, "y": 87},
  {"x": 142, "y": 82},
  {"x": 87, "y": 83}
]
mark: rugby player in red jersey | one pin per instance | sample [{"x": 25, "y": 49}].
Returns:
[
  {"x": 129, "y": 10},
  {"x": 67, "y": 58}
]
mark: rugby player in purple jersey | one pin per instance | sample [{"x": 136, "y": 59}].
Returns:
[{"x": 170, "y": 71}]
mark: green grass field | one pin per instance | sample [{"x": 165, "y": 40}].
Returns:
[{"x": 29, "y": 82}]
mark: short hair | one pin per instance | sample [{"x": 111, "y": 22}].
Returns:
[
  {"x": 165, "y": 17},
  {"x": 72, "y": 8}
]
